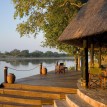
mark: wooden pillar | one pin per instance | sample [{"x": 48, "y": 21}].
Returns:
[
  {"x": 78, "y": 62},
  {"x": 82, "y": 65},
  {"x": 99, "y": 59},
  {"x": 57, "y": 63},
  {"x": 92, "y": 56},
  {"x": 86, "y": 75},
  {"x": 5, "y": 74},
  {"x": 40, "y": 68}
]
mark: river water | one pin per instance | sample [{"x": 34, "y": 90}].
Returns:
[{"x": 25, "y": 68}]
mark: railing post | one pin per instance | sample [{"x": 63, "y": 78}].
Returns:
[
  {"x": 5, "y": 74},
  {"x": 40, "y": 68},
  {"x": 57, "y": 63}
]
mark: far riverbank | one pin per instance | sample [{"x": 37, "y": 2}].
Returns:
[{"x": 35, "y": 58}]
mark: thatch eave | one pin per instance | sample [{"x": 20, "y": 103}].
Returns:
[
  {"x": 99, "y": 39},
  {"x": 91, "y": 21}
]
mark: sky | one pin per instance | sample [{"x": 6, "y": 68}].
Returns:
[{"x": 9, "y": 38}]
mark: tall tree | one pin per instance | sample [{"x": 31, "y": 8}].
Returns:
[{"x": 49, "y": 16}]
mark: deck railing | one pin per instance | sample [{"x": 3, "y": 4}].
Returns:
[{"x": 6, "y": 70}]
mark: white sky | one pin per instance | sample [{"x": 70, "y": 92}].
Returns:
[{"x": 10, "y": 38}]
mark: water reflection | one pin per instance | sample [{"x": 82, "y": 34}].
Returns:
[{"x": 34, "y": 62}]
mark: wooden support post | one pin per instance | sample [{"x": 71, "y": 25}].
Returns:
[
  {"x": 57, "y": 63},
  {"x": 92, "y": 56},
  {"x": 99, "y": 60},
  {"x": 40, "y": 68},
  {"x": 78, "y": 62},
  {"x": 86, "y": 75},
  {"x": 5, "y": 74},
  {"x": 82, "y": 64}
]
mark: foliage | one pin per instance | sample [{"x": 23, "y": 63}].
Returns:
[
  {"x": 26, "y": 53},
  {"x": 103, "y": 53},
  {"x": 72, "y": 68},
  {"x": 15, "y": 52},
  {"x": 37, "y": 54},
  {"x": 49, "y": 16}
]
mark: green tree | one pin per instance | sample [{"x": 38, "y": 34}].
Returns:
[
  {"x": 49, "y": 16},
  {"x": 24, "y": 53},
  {"x": 15, "y": 52},
  {"x": 36, "y": 54},
  {"x": 49, "y": 54}
]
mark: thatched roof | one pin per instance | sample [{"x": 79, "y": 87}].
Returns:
[{"x": 91, "y": 21}]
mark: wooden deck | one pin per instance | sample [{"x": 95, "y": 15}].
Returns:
[
  {"x": 46, "y": 89},
  {"x": 68, "y": 80}
]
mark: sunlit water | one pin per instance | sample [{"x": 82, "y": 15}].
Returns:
[{"x": 25, "y": 68}]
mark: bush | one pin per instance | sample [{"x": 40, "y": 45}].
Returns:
[{"x": 72, "y": 68}]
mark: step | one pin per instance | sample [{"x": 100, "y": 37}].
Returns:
[
  {"x": 19, "y": 100},
  {"x": 40, "y": 88},
  {"x": 60, "y": 103},
  {"x": 45, "y": 101},
  {"x": 89, "y": 100},
  {"x": 47, "y": 106},
  {"x": 75, "y": 101},
  {"x": 29, "y": 93},
  {"x": 6, "y": 104}
]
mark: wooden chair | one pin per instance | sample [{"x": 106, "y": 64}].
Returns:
[
  {"x": 95, "y": 79},
  {"x": 59, "y": 69},
  {"x": 104, "y": 78}
]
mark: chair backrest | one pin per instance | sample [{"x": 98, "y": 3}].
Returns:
[
  {"x": 61, "y": 64},
  {"x": 57, "y": 66},
  {"x": 105, "y": 73}
]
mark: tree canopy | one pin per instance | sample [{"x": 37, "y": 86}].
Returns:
[
  {"x": 26, "y": 53},
  {"x": 49, "y": 16}
]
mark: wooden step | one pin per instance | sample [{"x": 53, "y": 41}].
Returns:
[
  {"x": 7, "y": 104},
  {"x": 45, "y": 101},
  {"x": 40, "y": 88},
  {"x": 92, "y": 101},
  {"x": 47, "y": 106},
  {"x": 75, "y": 101},
  {"x": 19, "y": 100},
  {"x": 29, "y": 93},
  {"x": 60, "y": 103}
]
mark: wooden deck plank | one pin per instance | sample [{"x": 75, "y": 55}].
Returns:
[{"x": 69, "y": 79}]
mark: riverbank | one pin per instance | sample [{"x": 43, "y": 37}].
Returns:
[{"x": 34, "y": 58}]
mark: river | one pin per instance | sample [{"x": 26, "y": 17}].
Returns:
[{"x": 25, "y": 68}]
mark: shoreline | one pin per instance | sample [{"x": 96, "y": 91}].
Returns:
[{"x": 36, "y": 58}]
